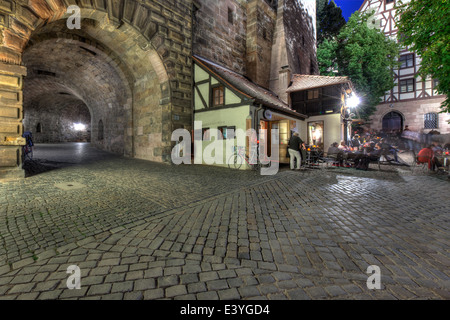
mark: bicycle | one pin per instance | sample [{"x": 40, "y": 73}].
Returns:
[{"x": 240, "y": 157}]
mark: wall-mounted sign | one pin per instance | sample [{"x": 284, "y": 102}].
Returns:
[{"x": 268, "y": 114}]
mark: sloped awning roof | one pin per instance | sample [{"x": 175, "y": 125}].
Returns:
[
  {"x": 246, "y": 87},
  {"x": 307, "y": 82}
]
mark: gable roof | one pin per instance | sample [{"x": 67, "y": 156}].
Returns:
[
  {"x": 302, "y": 82},
  {"x": 246, "y": 87}
]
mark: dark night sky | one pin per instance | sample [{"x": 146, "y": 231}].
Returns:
[{"x": 349, "y": 6}]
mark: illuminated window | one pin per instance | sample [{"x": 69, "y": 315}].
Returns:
[
  {"x": 218, "y": 96},
  {"x": 79, "y": 127},
  {"x": 313, "y": 94}
]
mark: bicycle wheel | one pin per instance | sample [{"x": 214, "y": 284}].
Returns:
[{"x": 235, "y": 161}]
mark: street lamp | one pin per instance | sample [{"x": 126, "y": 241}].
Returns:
[
  {"x": 353, "y": 101},
  {"x": 349, "y": 101}
]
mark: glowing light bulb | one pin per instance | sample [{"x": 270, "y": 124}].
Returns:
[
  {"x": 79, "y": 127},
  {"x": 354, "y": 101}
]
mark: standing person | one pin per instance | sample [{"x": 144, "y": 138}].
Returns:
[
  {"x": 407, "y": 138},
  {"x": 295, "y": 146},
  {"x": 355, "y": 141}
]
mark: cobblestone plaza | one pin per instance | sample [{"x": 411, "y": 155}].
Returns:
[{"x": 143, "y": 230}]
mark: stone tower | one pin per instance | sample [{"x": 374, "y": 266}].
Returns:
[
  {"x": 267, "y": 41},
  {"x": 294, "y": 45}
]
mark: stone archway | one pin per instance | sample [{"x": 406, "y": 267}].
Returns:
[
  {"x": 392, "y": 121},
  {"x": 147, "y": 45}
]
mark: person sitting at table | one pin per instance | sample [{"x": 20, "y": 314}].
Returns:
[
  {"x": 355, "y": 141},
  {"x": 335, "y": 152},
  {"x": 344, "y": 147},
  {"x": 387, "y": 149},
  {"x": 348, "y": 154},
  {"x": 362, "y": 161},
  {"x": 426, "y": 155},
  {"x": 437, "y": 149}
]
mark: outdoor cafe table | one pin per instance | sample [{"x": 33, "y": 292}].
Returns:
[{"x": 444, "y": 161}]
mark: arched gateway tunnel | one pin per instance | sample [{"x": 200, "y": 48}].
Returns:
[{"x": 124, "y": 74}]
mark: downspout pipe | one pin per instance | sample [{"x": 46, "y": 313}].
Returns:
[{"x": 257, "y": 118}]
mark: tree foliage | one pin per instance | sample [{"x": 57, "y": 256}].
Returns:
[
  {"x": 424, "y": 27},
  {"x": 366, "y": 56},
  {"x": 326, "y": 55},
  {"x": 329, "y": 20}
]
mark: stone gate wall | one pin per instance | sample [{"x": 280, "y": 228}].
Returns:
[{"x": 164, "y": 26}]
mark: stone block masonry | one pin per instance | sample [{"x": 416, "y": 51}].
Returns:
[
  {"x": 158, "y": 43},
  {"x": 143, "y": 230}
]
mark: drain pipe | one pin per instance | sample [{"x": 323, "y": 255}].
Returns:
[
  {"x": 256, "y": 126},
  {"x": 257, "y": 118}
]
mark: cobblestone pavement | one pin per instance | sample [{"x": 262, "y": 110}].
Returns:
[{"x": 141, "y": 230}]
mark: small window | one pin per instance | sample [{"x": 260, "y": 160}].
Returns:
[
  {"x": 389, "y": 1},
  {"x": 311, "y": 65},
  {"x": 223, "y": 131},
  {"x": 230, "y": 16},
  {"x": 39, "y": 128},
  {"x": 407, "y": 61},
  {"x": 218, "y": 95},
  {"x": 406, "y": 86},
  {"x": 435, "y": 83},
  {"x": 100, "y": 131},
  {"x": 431, "y": 121},
  {"x": 228, "y": 132},
  {"x": 313, "y": 94},
  {"x": 206, "y": 134}
]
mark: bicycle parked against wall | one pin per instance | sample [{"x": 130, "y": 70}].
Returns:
[
  {"x": 27, "y": 149},
  {"x": 239, "y": 158}
]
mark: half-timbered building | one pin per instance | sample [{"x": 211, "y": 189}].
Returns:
[{"x": 413, "y": 101}]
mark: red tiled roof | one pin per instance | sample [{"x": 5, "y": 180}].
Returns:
[
  {"x": 302, "y": 82},
  {"x": 246, "y": 87}
]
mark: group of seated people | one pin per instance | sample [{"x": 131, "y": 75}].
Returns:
[
  {"x": 428, "y": 156},
  {"x": 361, "y": 154}
]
